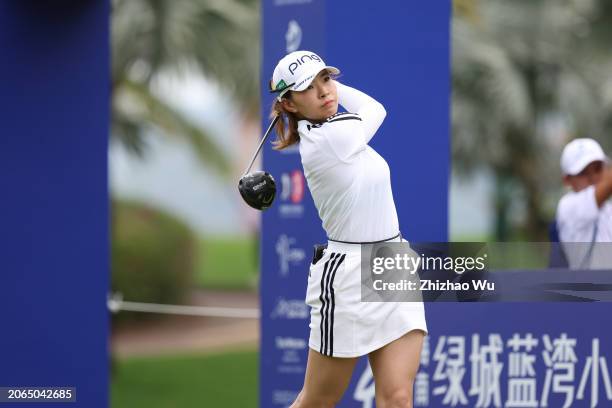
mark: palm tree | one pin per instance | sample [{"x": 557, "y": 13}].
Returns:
[
  {"x": 518, "y": 69},
  {"x": 219, "y": 38}
]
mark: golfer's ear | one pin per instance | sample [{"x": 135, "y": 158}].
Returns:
[{"x": 288, "y": 105}]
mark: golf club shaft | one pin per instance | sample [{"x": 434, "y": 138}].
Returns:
[{"x": 262, "y": 142}]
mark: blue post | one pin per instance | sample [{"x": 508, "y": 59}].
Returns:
[{"x": 54, "y": 111}]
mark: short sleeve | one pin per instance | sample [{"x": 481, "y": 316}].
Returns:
[{"x": 576, "y": 213}]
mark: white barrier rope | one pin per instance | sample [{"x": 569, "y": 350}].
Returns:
[{"x": 116, "y": 304}]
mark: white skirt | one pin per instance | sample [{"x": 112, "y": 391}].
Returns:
[{"x": 341, "y": 325}]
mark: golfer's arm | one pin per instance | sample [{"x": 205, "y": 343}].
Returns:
[
  {"x": 603, "y": 189},
  {"x": 371, "y": 111}
]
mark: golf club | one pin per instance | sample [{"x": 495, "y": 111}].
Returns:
[{"x": 258, "y": 188}]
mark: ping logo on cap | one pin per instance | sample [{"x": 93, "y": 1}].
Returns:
[{"x": 301, "y": 60}]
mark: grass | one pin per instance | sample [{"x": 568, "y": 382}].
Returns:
[
  {"x": 227, "y": 263},
  {"x": 225, "y": 380}
]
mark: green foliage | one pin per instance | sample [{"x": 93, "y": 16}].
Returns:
[
  {"x": 228, "y": 263},
  {"x": 221, "y": 38},
  {"x": 152, "y": 254},
  {"x": 222, "y": 380},
  {"x": 150, "y": 38},
  {"x": 136, "y": 108}
]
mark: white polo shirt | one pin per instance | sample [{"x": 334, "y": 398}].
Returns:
[
  {"x": 577, "y": 216},
  {"x": 349, "y": 181}
]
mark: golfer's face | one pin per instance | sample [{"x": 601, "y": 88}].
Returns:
[
  {"x": 319, "y": 101},
  {"x": 589, "y": 176}
]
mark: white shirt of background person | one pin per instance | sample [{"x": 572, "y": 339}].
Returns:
[{"x": 584, "y": 214}]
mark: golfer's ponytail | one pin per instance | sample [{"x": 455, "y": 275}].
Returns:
[{"x": 286, "y": 127}]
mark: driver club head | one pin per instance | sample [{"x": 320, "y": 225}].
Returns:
[{"x": 258, "y": 189}]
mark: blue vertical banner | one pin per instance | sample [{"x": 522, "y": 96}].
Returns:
[
  {"x": 398, "y": 53},
  {"x": 54, "y": 274},
  {"x": 291, "y": 226}
]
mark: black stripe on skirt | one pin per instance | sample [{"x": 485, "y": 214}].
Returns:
[
  {"x": 328, "y": 303},
  {"x": 333, "y": 306}
]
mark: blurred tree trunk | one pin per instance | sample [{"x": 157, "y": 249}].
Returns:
[{"x": 502, "y": 206}]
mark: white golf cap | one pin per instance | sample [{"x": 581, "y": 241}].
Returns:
[
  {"x": 295, "y": 71},
  {"x": 579, "y": 153}
]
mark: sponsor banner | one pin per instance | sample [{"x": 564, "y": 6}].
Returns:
[
  {"x": 489, "y": 355},
  {"x": 291, "y": 257},
  {"x": 291, "y": 226},
  {"x": 358, "y": 40},
  {"x": 500, "y": 356},
  {"x": 291, "y": 198}
]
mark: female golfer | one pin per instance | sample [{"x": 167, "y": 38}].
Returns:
[{"x": 351, "y": 187}]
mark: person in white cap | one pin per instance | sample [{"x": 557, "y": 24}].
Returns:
[
  {"x": 584, "y": 215},
  {"x": 351, "y": 187}
]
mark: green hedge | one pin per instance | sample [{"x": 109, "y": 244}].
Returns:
[{"x": 153, "y": 256}]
